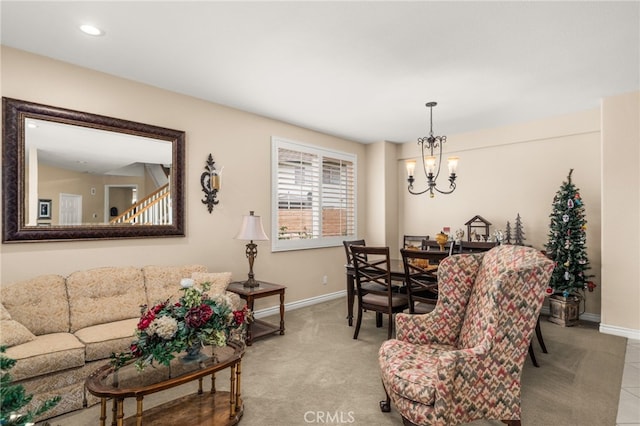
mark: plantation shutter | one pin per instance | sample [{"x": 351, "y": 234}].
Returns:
[
  {"x": 298, "y": 194},
  {"x": 314, "y": 196},
  {"x": 337, "y": 197}
]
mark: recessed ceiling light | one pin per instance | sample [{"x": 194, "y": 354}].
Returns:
[{"x": 91, "y": 30}]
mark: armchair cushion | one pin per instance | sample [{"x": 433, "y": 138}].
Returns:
[{"x": 412, "y": 369}]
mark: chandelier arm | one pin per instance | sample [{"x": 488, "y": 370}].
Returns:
[
  {"x": 418, "y": 193},
  {"x": 424, "y": 165},
  {"x": 439, "y": 145},
  {"x": 452, "y": 186}
]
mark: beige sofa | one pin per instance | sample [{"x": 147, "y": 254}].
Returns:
[{"x": 59, "y": 329}]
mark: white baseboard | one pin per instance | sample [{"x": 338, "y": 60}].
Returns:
[
  {"x": 629, "y": 333},
  {"x": 275, "y": 310},
  {"x": 584, "y": 316}
]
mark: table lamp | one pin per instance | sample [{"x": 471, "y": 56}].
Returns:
[{"x": 251, "y": 230}]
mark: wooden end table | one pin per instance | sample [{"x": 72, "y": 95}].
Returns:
[{"x": 259, "y": 328}]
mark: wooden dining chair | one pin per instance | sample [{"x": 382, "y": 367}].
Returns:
[
  {"x": 420, "y": 277},
  {"x": 374, "y": 287},
  {"x": 348, "y": 251}
]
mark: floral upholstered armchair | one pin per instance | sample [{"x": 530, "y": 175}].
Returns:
[{"x": 463, "y": 361}]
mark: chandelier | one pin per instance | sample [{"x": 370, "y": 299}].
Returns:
[{"x": 431, "y": 165}]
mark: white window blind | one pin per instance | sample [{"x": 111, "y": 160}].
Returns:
[{"x": 313, "y": 196}]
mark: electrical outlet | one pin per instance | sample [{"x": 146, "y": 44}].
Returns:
[{"x": 324, "y": 280}]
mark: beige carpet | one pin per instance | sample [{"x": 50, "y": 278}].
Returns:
[{"x": 317, "y": 374}]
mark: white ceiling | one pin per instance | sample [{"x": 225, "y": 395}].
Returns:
[{"x": 359, "y": 70}]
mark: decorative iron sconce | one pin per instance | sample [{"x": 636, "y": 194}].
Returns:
[{"x": 210, "y": 181}]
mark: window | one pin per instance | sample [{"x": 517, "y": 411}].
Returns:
[{"x": 313, "y": 196}]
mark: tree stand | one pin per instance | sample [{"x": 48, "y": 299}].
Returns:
[{"x": 564, "y": 311}]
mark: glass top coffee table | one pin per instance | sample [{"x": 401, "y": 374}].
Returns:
[{"x": 201, "y": 408}]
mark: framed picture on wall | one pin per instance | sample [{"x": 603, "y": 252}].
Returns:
[{"x": 44, "y": 209}]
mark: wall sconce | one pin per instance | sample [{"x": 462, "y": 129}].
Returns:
[{"x": 210, "y": 181}]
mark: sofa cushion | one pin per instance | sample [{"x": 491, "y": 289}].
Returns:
[
  {"x": 46, "y": 354},
  {"x": 12, "y": 332},
  {"x": 4, "y": 314},
  {"x": 103, "y": 295},
  {"x": 219, "y": 281},
  {"x": 40, "y": 304},
  {"x": 163, "y": 282},
  {"x": 103, "y": 339}
]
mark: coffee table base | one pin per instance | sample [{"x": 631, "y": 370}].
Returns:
[{"x": 204, "y": 409}]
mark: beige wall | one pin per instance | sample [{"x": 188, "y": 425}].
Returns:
[
  {"x": 621, "y": 213},
  {"x": 503, "y": 172},
  {"x": 375, "y": 217},
  {"x": 511, "y": 170},
  {"x": 240, "y": 142},
  {"x": 382, "y": 196}
]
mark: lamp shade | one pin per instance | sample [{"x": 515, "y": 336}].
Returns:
[{"x": 252, "y": 229}]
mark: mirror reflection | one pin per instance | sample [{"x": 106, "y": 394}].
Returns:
[
  {"x": 94, "y": 177},
  {"x": 72, "y": 175}
]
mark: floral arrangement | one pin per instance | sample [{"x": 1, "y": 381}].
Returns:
[{"x": 196, "y": 319}]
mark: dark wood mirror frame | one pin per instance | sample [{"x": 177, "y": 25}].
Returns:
[{"x": 14, "y": 112}]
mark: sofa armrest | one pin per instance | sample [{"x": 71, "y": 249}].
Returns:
[{"x": 237, "y": 303}]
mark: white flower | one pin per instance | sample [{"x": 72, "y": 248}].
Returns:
[
  {"x": 222, "y": 299},
  {"x": 186, "y": 283},
  {"x": 165, "y": 327}
]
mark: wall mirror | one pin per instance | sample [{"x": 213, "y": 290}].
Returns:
[{"x": 70, "y": 175}]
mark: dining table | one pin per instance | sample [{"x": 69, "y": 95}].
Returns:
[{"x": 396, "y": 269}]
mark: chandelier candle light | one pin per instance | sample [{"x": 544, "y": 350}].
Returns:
[
  {"x": 431, "y": 169},
  {"x": 251, "y": 230}
]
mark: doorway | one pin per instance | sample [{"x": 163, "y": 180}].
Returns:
[
  {"x": 70, "y": 209},
  {"x": 118, "y": 199}
]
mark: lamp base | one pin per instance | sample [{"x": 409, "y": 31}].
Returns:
[{"x": 251, "y": 283}]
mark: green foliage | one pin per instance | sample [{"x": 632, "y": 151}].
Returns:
[
  {"x": 14, "y": 397},
  {"x": 566, "y": 241},
  {"x": 169, "y": 328}
]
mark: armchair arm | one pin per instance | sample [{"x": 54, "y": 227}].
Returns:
[{"x": 451, "y": 383}]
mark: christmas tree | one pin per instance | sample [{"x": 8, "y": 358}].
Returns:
[
  {"x": 13, "y": 398},
  {"x": 519, "y": 232},
  {"x": 507, "y": 238},
  {"x": 567, "y": 238}
]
